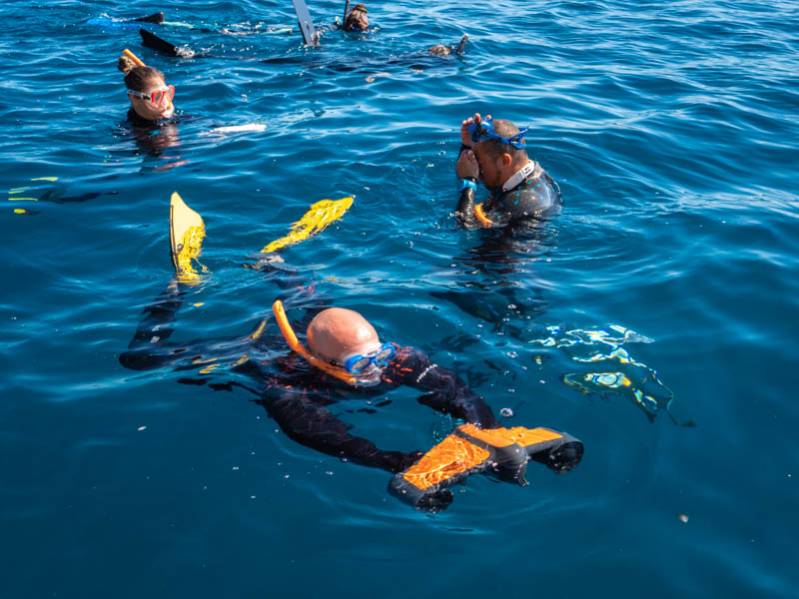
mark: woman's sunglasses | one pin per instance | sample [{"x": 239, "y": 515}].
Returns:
[{"x": 157, "y": 97}]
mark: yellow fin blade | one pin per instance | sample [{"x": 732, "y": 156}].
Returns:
[
  {"x": 186, "y": 235},
  {"x": 318, "y": 217}
]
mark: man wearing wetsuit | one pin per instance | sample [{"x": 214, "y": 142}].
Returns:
[
  {"x": 344, "y": 357},
  {"x": 296, "y": 396},
  {"x": 494, "y": 151}
]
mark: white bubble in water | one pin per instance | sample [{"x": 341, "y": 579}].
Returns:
[{"x": 506, "y": 412}]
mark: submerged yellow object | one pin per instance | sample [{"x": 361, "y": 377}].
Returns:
[
  {"x": 480, "y": 216},
  {"x": 318, "y": 217},
  {"x": 186, "y": 234}
]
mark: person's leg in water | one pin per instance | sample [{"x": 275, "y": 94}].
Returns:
[
  {"x": 149, "y": 348},
  {"x": 295, "y": 401}
]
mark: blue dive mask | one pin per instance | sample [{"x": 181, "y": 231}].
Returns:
[
  {"x": 358, "y": 363},
  {"x": 485, "y": 131}
]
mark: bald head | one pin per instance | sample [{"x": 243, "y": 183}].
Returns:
[{"x": 337, "y": 333}]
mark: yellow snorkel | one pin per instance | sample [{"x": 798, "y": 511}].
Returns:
[
  {"x": 133, "y": 58},
  {"x": 297, "y": 347}
]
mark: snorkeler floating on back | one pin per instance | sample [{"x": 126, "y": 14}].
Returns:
[
  {"x": 495, "y": 152},
  {"x": 355, "y": 20},
  {"x": 344, "y": 358}
]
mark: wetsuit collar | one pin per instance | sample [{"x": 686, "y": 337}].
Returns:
[{"x": 521, "y": 175}]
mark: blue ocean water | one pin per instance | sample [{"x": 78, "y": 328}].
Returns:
[{"x": 671, "y": 129}]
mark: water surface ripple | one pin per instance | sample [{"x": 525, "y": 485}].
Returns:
[{"x": 671, "y": 129}]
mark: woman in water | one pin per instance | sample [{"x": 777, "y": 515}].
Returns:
[
  {"x": 152, "y": 117},
  {"x": 150, "y": 97}
]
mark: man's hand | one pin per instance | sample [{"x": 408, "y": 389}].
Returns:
[
  {"x": 467, "y": 166},
  {"x": 466, "y": 137}
]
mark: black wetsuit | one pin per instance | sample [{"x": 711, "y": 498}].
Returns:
[
  {"x": 296, "y": 395},
  {"x": 414, "y": 60},
  {"x": 153, "y": 137},
  {"x": 535, "y": 198},
  {"x": 134, "y": 119}
]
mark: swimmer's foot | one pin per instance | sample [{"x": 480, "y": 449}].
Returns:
[
  {"x": 155, "y": 18},
  {"x": 462, "y": 45},
  {"x": 150, "y": 40}
]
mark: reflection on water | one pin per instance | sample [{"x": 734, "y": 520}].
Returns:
[
  {"x": 620, "y": 374},
  {"x": 496, "y": 281},
  {"x": 671, "y": 131}
]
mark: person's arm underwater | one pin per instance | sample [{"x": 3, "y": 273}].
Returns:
[
  {"x": 446, "y": 392},
  {"x": 310, "y": 423}
]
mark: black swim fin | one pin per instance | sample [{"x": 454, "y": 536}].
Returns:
[
  {"x": 156, "y": 18},
  {"x": 150, "y": 40},
  {"x": 462, "y": 45}
]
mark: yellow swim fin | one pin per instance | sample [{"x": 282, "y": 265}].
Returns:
[
  {"x": 318, "y": 217},
  {"x": 186, "y": 234}
]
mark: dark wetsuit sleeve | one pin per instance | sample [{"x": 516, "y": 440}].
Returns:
[
  {"x": 445, "y": 391},
  {"x": 465, "y": 211},
  {"x": 310, "y": 423}
]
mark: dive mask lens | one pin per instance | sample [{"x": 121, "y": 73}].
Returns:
[
  {"x": 357, "y": 364},
  {"x": 384, "y": 356},
  {"x": 158, "y": 97}
]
